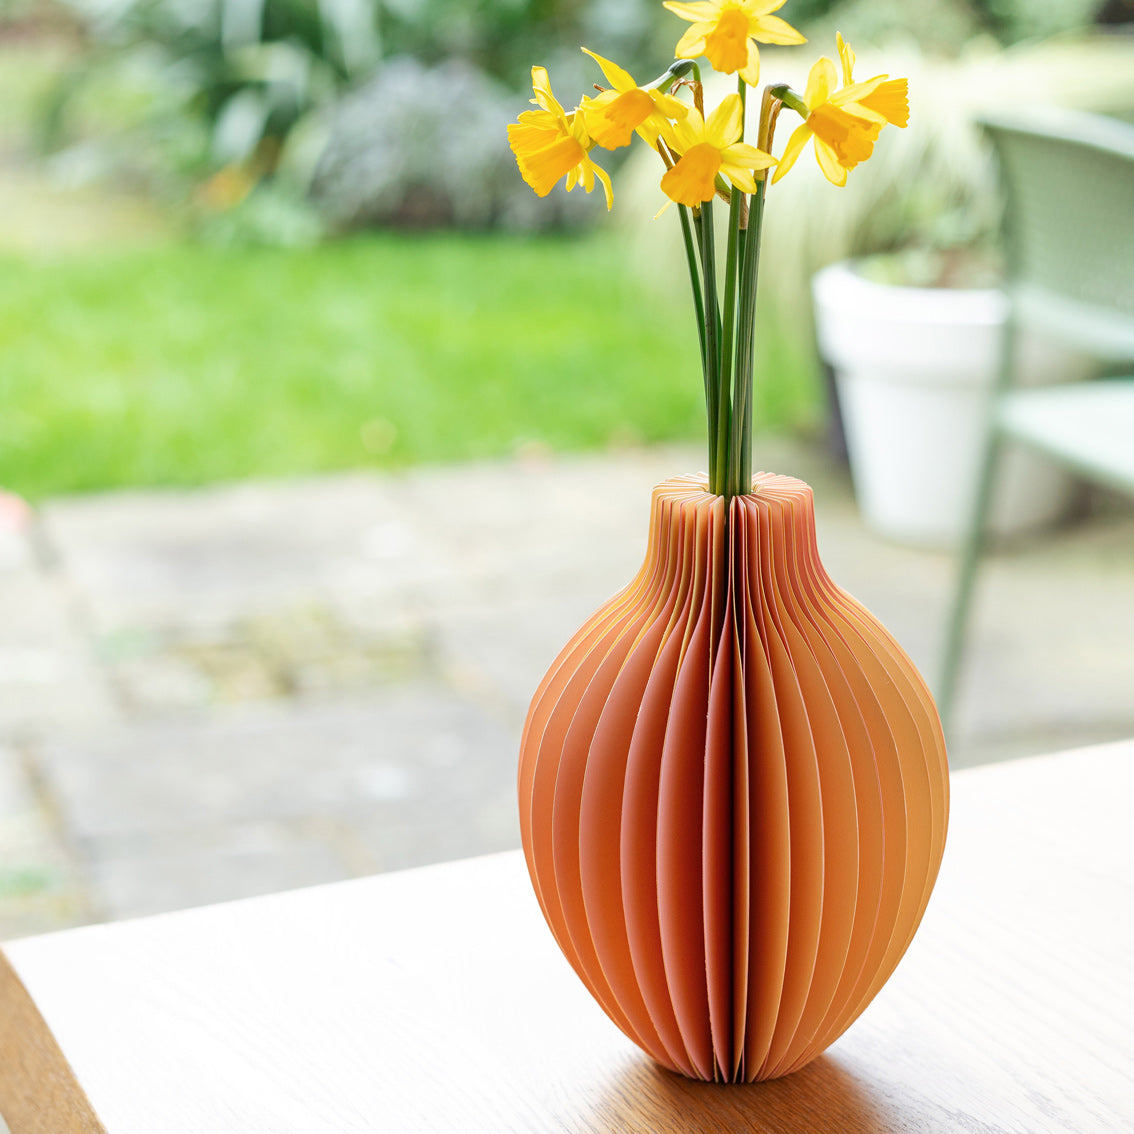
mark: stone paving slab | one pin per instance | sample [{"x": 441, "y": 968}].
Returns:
[
  {"x": 48, "y": 672},
  {"x": 138, "y": 875},
  {"x": 1052, "y": 644},
  {"x": 40, "y": 888},
  {"x": 205, "y": 559},
  {"x": 226, "y": 804}
]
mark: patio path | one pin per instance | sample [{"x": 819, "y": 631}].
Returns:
[{"x": 216, "y": 693}]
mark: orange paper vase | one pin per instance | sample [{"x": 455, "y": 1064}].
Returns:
[{"x": 733, "y": 791}]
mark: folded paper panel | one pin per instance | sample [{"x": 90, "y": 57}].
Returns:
[
  {"x": 639, "y": 850},
  {"x": 915, "y": 761},
  {"x": 655, "y": 578},
  {"x": 817, "y": 672},
  {"x": 740, "y": 830},
  {"x": 733, "y": 791},
  {"x": 637, "y": 877},
  {"x": 880, "y": 761},
  {"x": 600, "y": 834},
  {"x": 555, "y": 706},
  {"x": 599, "y": 940},
  {"x": 769, "y": 849},
  {"x": 596, "y": 897},
  {"x": 639, "y": 822},
  {"x": 552, "y": 706},
  {"x": 852, "y": 741},
  {"x": 717, "y": 833},
  {"x": 805, "y": 807},
  {"x": 547, "y": 760},
  {"x": 680, "y": 810},
  {"x": 921, "y": 700},
  {"x": 840, "y": 673}
]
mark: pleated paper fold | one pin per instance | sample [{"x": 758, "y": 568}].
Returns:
[{"x": 733, "y": 791}]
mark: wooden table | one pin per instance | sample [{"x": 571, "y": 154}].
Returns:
[{"x": 435, "y": 1000}]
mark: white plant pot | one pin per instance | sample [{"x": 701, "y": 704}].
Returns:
[{"x": 914, "y": 368}]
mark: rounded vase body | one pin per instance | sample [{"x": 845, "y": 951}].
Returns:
[{"x": 733, "y": 791}]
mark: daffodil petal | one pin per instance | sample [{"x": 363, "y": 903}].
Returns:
[
  {"x": 524, "y": 138},
  {"x": 700, "y": 11},
  {"x": 726, "y": 123},
  {"x": 891, "y": 100},
  {"x": 597, "y": 102},
  {"x": 687, "y": 132},
  {"x": 829, "y": 163},
  {"x": 543, "y": 168},
  {"x": 857, "y": 91},
  {"x": 607, "y": 188},
  {"x": 742, "y": 154},
  {"x": 847, "y": 57},
  {"x": 771, "y": 29},
  {"x": 540, "y": 120},
  {"x": 541, "y": 85},
  {"x": 692, "y": 44},
  {"x": 668, "y": 105},
  {"x": 648, "y": 132},
  {"x": 762, "y": 7},
  {"x": 740, "y": 177},
  {"x": 820, "y": 82},
  {"x": 613, "y": 123},
  {"x": 866, "y": 115},
  {"x": 726, "y": 45},
  {"x": 799, "y": 138},
  {"x": 652, "y": 126},
  {"x": 851, "y": 137},
  {"x": 615, "y": 75},
  {"x": 751, "y": 70},
  {"x": 693, "y": 179}
]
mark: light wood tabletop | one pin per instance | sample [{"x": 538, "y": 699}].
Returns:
[{"x": 436, "y": 1000}]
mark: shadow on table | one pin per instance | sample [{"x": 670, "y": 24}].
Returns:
[{"x": 822, "y": 1096}]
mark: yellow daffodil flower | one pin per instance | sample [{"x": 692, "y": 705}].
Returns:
[
  {"x": 709, "y": 148},
  {"x": 550, "y": 144},
  {"x": 845, "y": 123},
  {"x": 726, "y": 31},
  {"x": 615, "y": 114},
  {"x": 884, "y": 99}
]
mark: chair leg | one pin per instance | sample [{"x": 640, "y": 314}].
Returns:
[
  {"x": 970, "y": 555},
  {"x": 974, "y": 538}
]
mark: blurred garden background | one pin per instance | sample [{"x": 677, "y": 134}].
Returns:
[
  {"x": 261, "y": 237},
  {"x": 320, "y": 433}
]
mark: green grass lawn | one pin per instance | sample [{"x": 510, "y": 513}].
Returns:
[{"x": 184, "y": 364}]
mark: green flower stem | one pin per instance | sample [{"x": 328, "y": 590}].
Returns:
[
  {"x": 703, "y": 222},
  {"x": 725, "y": 456},
  {"x": 789, "y": 98},
  {"x": 741, "y": 441},
  {"x": 723, "y": 468},
  {"x": 694, "y": 276},
  {"x": 699, "y": 309},
  {"x": 678, "y": 69}
]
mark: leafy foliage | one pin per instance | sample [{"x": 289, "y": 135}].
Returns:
[
  {"x": 420, "y": 146},
  {"x": 190, "y": 364},
  {"x": 948, "y": 23},
  {"x": 253, "y": 69}
]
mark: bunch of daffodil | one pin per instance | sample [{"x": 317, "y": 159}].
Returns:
[{"x": 705, "y": 156}]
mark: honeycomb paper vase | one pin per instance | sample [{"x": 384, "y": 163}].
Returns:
[{"x": 733, "y": 791}]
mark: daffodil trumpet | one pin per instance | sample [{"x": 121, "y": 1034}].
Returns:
[{"x": 705, "y": 156}]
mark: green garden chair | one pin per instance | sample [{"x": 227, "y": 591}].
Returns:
[{"x": 1068, "y": 182}]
